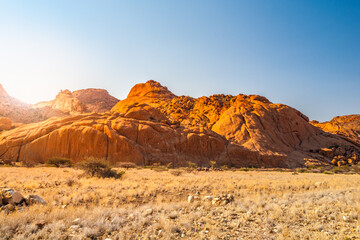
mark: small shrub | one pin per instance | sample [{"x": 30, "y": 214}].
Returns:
[
  {"x": 70, "y": 182},
  {"x": 244, "y": 169},
  {"x": 191, "y": 165},
  {"x": 176, "y": 172},
  {"x": 29, "y": 164},
  {"x": 158, "y": 167},
  {"x": 225, "y": 167},
  {"x": 94, "y": 167},
  {"x": 126, "y": 165},
  {"x": 213, "y": 164},
  {"x": 59, "y": 162}
]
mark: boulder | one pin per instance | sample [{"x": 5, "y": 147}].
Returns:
[
  {"x": 5, "y": 123},
  {"x": 17, "y": 198},
  {"x": 148, "y": 212},
  {"x": 34, "y": 199}
]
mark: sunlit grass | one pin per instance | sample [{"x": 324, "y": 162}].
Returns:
[{"x": 268, "y": 205}]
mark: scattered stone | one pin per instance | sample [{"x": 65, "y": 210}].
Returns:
[
  {"x": 34, "y": 199},
  {"x": 218, "y": 200},
  {"x": 131, "y": 217},
  {"x": 148, "y": 212},
  {"x": 11, "y": 200},
  {"x": 76, "y": 221},
  {"x": 191, "y": 199},
  {"x": 222, "y": 200},
  {"x": 18, "y": 198},
  {"x": 74, "y": 227},
  {"x": 207, "y": 199}
]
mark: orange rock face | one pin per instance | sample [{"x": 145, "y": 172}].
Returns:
[
  {"x": 152, "y": 125},
  {"x": 347, "y": 126},
  {"x": 95, "y": 100},
  {"x": 275, "y": 131},
  {"x": 119, "y": 139}
]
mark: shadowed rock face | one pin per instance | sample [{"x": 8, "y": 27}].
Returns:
[
  {"x": 154, "y": 125},
  {"x": 347, "y": 126}
]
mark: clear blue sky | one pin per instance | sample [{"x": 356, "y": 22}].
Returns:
[{"x": 305, "y": 54}]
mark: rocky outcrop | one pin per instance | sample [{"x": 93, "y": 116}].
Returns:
[
  {"x": 81, "y": 101},
  {"x": 65, "y": 102},
  {"x": 120, "y": 139},
  {"x": 152, "y": 125},
  {"x": 96, "y": 100},
  {"x": 346, "y": 126},
  {"x": 18, "y": 111},
  {"x": 252, "y": 121}
]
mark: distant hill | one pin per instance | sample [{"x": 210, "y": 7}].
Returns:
[
  {"x": 81, "y": 101},
  {"x": 66, "y": 103}
]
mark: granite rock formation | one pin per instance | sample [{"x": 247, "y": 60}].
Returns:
[{"x": 152, "y": 125}]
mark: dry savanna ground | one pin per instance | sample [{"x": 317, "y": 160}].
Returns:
[{"x": 149, "y": 204}]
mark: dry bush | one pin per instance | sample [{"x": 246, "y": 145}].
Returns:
[
  {"x": 59, "y": 162},
  {"x": 176, "y": 172},
  {"x": 126, "y": 165},
  {"x": 95, "y": 167}
]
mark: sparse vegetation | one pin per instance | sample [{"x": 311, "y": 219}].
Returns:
[
  {"x": 126, "y": 165},
  {"x": 59, "y": 162},
  {"x": 176, "y": 172},
  {"x": 95, "y": 167},
  {"x": 153, "y": 205}
]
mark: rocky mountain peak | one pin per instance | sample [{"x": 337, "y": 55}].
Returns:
[{"x": 150, "y": 89}]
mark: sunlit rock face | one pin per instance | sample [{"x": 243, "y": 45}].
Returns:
[
  {"x": 152, "y": 125},
  {"x": 66, "y": 103},
  {"x": 18, "y": 111},
  {"x": 347, "y": 126},
  {"x": 96, "y": 100},
  {"x": 81, "y": 101},
  {"x": 277, "y": 132}
]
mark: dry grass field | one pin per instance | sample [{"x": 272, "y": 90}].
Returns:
[{"x": 267, "y": 205}]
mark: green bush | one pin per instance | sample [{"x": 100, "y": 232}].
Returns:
[
  {"x": 94, "y": 167},
  {"x": 59, "y": 162}
]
